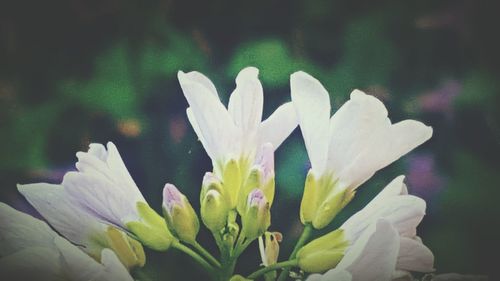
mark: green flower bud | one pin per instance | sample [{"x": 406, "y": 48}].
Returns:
[
  {"x": 214, "y": 204},
  {"x": 261, "y": 176},
  {"x": 152, "y": 230},
  {"x": 231, "y": 181},
  {"x": 257, "y": 216},
  {"x": 128, "y": 250},
  {"x": 181, "y": 218},
  {"x": 323, "y": 253}
]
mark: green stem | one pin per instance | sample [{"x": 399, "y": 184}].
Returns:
[
  {"x": 199, "y": 259},
  {"x": 241, "y": 248},
  {"x": 262, "y": 271},
  {"x": 306, "y": 233},
  {"x": 206, "y": 254}
]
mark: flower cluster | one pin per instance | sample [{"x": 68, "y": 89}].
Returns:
[{"x": 101, "y": 222}]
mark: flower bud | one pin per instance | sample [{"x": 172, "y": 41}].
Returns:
[
  {"x": 261, "y": 176},
  {"x": 181, "y": 219},
  {"x": 323, "y": 253},
  {"x": 210, "y": 181},
  {"x": 152, "y": 229},
  {"x": 257, "y": 215},
  {"x": 128, "y": 250},
  {"x": 214, "y": 205},
  {"x": 269, "y": 247},
  {"x": 231, "y": 181}
]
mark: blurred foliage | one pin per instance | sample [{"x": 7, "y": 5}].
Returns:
[{"x": 75, "y": 72}]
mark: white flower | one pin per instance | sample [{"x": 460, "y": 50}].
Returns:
[
  {"x": 234, "y": 137},
  {"x": 52, "y": 202},
  {"x": 236, "y": 132},
  {"x": 79, "y": 227},
  {"x": 348, "y": 148},
  {"x": 404, "y": 212},
  {"x": 373, "y": 257},
  {"x": 30, "y": 250},
  {"x": 103, "y": 185},
  {"x": 104, "y": 189},
  {"x": 391, "y": 207}
]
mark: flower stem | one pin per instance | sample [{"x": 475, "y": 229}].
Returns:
[
  {"x": 262, "y": 271},
  {"x": 306, "y": 233},
  {"x": 206, "y": 254},
  {"x": 199, "y": 259}
]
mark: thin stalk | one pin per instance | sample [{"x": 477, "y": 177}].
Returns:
[
  {"x": 272, "y": 267},
  {"x": 306, "y": 233},
  {"x": 240, "y": 247},
  {"x": 199, "y": 259},
  {"x": 206, "y": 254}
]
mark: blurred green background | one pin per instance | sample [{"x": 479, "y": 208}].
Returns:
[{"x": 77, "y": 71}]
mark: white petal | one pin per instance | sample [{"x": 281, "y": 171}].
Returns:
[
  {"x": 116, "y": 164},
  {"x": 109, "y": 164},
  {"x": 353, "y": 128},
  {"x": 364, "y": 141},
  {"x": 374, "y": 255},
  {"x": 113, "y": 268},
  {"x": 201, "y": 79},
  {"x": 196, "y": 128},
  {"x": 405, "y": 136},
  {"x": 277, "y": 127},
  {"x": 216, "y": 127},
  {"x": 101, "y": 198},
  {"x": 33, "y": 263},
  {"x": 246, "y": 101},
  {"x": 315, "y": 277},
  {"x": 404, "y": 212},
  {"x": 52, "y": 202},
  {"x": 78, "y": 265},
  {"x": 19, "y": 231},
  {"x": 98, "y": 150},
  {"x": 331, "y": 275},
  {"x": 312, "y": 104},
  {"x": 415, "y": 256},
  {"x": 395, "y": 188}
]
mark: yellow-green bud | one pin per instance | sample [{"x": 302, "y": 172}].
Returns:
[
  {"x": 214, "y": 203},
  {"x": 261, "y": 176},
  {"x": 257, "y": 215},
  {"x": 323, "y": 253},
  {"x": 180, "y": 216},
  {"x": 211, "y": 181},
  {"x": 152, "y": 230},
  {"x": 128, "y": 250},
  {"x": 231, "y": 181}
]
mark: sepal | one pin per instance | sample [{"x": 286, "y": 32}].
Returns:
[
  {"x": 128, "y": 250},
  {"x": 323, "y": 253},
  {"x": 152, "y": 230}
]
